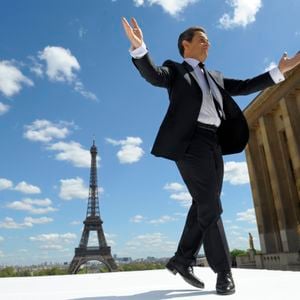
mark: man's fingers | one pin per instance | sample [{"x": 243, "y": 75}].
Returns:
[
  {"x": 127, "y": 28},
  {"x": 134, "y": 23},
  {"x": 125, "y": 23}
]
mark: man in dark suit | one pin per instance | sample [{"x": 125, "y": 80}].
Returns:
[{"x": 202, "y": 123}]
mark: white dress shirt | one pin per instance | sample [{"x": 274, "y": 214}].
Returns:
[{"x": 208, "y": 113}]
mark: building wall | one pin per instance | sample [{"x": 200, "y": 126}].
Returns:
[{"x": 273, "y": 158}]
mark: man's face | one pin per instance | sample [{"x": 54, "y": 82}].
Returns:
[{"x": 198, "y": 47}]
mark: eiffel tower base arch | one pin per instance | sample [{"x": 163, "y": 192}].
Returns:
[{"x": 83, "y": 255}]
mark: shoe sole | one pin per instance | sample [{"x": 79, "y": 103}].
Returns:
[
  {"x": 172, "y": 270},
  {"x": 226, "y": 293}
]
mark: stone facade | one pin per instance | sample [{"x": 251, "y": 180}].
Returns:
[{"x": 273, "y": 158}]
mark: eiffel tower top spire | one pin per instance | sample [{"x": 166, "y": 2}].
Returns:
[{"x": 93, "y": 202}]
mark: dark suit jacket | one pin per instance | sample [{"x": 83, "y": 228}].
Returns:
[{"x": 185, "y": 95}]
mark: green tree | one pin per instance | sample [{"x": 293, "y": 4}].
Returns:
[
  {"x": 237, "y": 252},
  {"x": 8, "y": 272}
]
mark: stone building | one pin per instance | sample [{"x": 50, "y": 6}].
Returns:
[{"x": 273, "y": 158}]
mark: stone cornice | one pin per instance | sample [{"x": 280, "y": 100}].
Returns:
[{"x": 265, "y": 102}]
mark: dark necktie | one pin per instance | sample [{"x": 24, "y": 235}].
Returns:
[{"x": 216, "y": 103}]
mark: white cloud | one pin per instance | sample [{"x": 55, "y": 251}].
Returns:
[
  {"x": 236, "y": 173},
  {"x": 1, "y": 238},
  {"x": 179, "y": 193},
  {"x": 130, "y": 152},
  {"x": 248, "y": 216},
  {"x": 244, "y": 13},
  {"x": 227, "y": 221},
  {"x": 46, "y": 131},
  {"x": 79, "y": 87},
  {"x": 137, "y": 219},
  {"x": 180, "y": 215},
  {"x": 22, "y": 186},
  {"x": 23, "y": 250},
  {"x": 73, "y": 188},
  {"x": 33, "y": 206},
  {"x": 73, "y": 153},
  {"x": 54, "y": 237},
  {"x": 82, "y": 32},
  {"x": 5, "y": 184},
  {"x": 42, "y": 220},
  {"x": 110, "y": 238},
  {"x": 61, "y": 64},
  {"x": 173, "y": 7},
  {"x": 4, "y": 108},
  {"x": 162, "y": 220},
  {"x": 9, "y": 223},
  {"x": 26, "y": 188},
  {"x": 11, "y": 79},
  {"x": 183, "y": 198},
  {"x": 151, "y": 244},
  {"x": 51, "y": 247},
  {"x": 271, "y": 66},
  {"x": 138, "y": 2},
  {"x": 36, "y": 67},
  {"x": 174, "y": 186},
  {"x": 76, "y": 223},
  {"x": 93, "y": 239}
]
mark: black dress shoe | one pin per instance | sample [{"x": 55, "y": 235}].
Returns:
[
  {"x": 186, "y": 273},
  {"x": 225, "y": 284}
]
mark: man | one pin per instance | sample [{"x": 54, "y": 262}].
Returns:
[{"x": 202, "y": 123}]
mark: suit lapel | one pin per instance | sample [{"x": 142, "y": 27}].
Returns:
[
  {"x": 191, "y": 75},
  {"x": 218, "y": 80}
]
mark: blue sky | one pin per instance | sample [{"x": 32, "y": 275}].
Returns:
[{"x": 66, "y": 76}]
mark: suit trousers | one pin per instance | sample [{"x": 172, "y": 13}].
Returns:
[{"x": 202, "y": 171}]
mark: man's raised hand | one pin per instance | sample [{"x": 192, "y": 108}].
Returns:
[
  {"x": 133, "y": 32},
  {"x": 287, "y": 63}
]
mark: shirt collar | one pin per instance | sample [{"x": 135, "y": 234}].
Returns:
[{"x": 192, "y": 61}]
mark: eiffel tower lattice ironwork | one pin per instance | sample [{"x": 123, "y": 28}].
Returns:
[{"x": 93, "y": 222}]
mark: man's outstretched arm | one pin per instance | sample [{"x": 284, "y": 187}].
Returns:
[{"x": 260, "y": 82}]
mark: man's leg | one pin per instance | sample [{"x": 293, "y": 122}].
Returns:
[
  {"x": 202, "y": 171},
  {"x": 216, "y": 248}
]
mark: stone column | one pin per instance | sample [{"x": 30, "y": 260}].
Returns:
[
  {"x": 279, "y": 182},
  {"x": 291, "y": 140},
  {"x": 266, "y": 215},
  {"x": 291, "y": 118}
]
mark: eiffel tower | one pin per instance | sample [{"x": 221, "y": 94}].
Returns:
[{"x": 93, "y": 222}]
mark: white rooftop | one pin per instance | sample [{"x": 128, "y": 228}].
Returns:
[{"x": 151, "y": 285}]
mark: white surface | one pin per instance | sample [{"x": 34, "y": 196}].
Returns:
[{"x": 150, "y": 285}]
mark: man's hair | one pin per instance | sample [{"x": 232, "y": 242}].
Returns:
[{"x": 187, "y": 35}]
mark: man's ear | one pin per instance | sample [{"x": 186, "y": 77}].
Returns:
[{"x": 185, "y": 44}]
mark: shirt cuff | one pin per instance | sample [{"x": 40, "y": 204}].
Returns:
[
  {"x": 138, "y": 52},
  {"x": 276, "y": 75}
]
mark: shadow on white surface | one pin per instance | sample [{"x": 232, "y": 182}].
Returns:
[{"x": 153, "y": 295}]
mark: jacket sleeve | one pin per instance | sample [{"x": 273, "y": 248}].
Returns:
[
  {"x": 156, "y": 75},
  {"x": 237, "y": 87}
]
